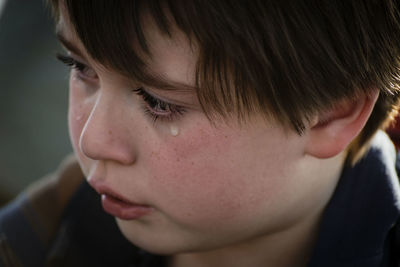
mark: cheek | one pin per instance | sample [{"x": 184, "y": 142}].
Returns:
[
  {"x": 76, "y": 122},
  {"x": 203, "y": 179},
  {"x": 78, "y": 114}
]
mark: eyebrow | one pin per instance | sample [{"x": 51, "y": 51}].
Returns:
[
  {"x": 68, "y": 44},
  {"x": 157, "y": 80}
]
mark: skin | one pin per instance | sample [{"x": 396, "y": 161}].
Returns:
[{"x": 215, "y": 188}]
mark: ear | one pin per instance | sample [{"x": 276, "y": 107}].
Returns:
[{"x": 333, "y": 130}]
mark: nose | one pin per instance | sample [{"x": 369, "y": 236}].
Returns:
[{"x": 105, "y": 135}]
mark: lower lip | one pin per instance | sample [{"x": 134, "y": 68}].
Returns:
[{"x": 122, "y": 209}]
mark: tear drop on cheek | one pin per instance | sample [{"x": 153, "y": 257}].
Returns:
[{"x": 174, "y": 130}]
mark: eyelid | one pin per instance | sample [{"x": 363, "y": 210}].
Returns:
[
  {"x": 145, "y": 93},
  {"x": 82, "y": 68},
  {"x": 168, "y": 100},
  {"x": 171, "y": 112},
  {"x": 143, "y": 89},
  {"x": 178, "y": 100}
]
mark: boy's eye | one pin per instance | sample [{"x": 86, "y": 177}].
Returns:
[
  {"x": 84, "y": 71},
  {"x": 154, "y": 107},
  {"x": 157, "y": 108}
]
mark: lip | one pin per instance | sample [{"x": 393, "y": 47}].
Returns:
[{"x": 120, "y": 207}]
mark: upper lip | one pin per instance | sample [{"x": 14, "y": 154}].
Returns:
[{"x": 106, "y": 190}]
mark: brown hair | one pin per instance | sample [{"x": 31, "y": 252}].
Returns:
[{"x": 285, "y": 59}]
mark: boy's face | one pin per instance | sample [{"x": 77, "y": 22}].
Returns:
[{"x": 203, "y": 186}]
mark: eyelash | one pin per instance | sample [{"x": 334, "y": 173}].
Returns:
[
  {"x": 157, "y": 108},
  {"x": 153, "y": 107},
  {"x": 81, "y": 68}
]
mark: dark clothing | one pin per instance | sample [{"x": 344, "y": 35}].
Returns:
[
  {"x": 359, "y": 217},
  {"x": 42, "y": 229}
]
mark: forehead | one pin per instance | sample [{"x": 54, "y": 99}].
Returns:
[{"x": 173, "y": 56}]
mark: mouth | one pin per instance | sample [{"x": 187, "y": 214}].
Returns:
[{"x": 120, "y": 207}]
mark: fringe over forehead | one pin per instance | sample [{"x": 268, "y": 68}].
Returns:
[{"x": 285, "y": 59}]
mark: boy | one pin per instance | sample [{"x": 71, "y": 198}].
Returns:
[{"x": 220, "y": 133}]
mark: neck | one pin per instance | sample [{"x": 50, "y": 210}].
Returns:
[
  {"x": 295, "y": 244},
  {"x": 292, "y": 246}
]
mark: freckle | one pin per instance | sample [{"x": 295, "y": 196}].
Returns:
[
  {"x": 109, "y": 132},
  {"x": 178, "y": 159},
  {"x": 192, "y": 163}
]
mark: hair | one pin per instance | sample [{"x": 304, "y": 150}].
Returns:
[{"x": 287, "y": 60}]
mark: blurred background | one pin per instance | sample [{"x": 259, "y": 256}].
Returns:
[{"x": 33, "y": 96}]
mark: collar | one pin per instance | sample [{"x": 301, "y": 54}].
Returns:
[{"x": 363, "y": 209}]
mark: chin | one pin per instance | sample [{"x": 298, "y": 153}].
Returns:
[
  {"x": 149, "y": 240},
  {"x": 167, "y": 241}
]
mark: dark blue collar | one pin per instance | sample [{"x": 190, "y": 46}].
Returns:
[{"x": 363, "y": 209}]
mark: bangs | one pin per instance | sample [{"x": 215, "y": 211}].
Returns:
[
  {"x": 284, "y": 60},
  {"x": 112, "y": 34}
]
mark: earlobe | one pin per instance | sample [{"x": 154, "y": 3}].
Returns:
[{"x": 333, "y": 130}]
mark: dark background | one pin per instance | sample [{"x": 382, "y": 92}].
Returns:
[{"x": 33, "y": 97}]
